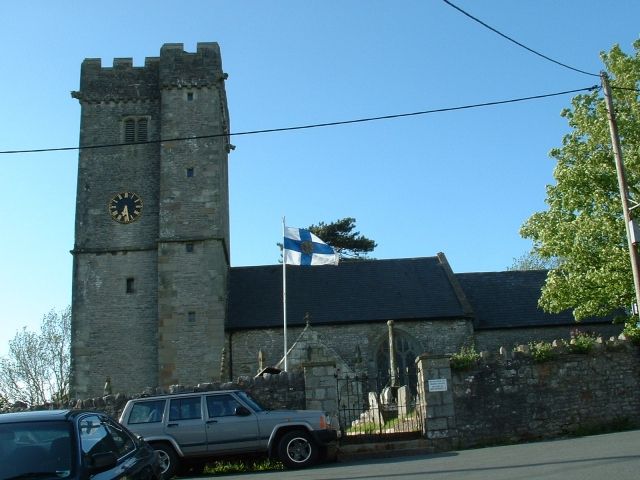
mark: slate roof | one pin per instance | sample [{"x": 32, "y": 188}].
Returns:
[
  {"x": 363, "y": 291},
  {"x": 380, "y": 290},
  {"x": 510, "y": 299}
]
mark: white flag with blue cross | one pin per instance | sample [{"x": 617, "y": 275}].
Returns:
[{"x": 301, "y": 247}]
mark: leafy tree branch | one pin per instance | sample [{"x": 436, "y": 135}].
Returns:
[{"x": 583, "y": 224}]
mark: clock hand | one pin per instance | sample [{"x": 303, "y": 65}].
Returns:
[{"x": 125, "y": 213}]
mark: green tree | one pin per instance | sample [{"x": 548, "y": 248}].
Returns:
[
  {"x": 583, "y": 224},
  {"x": 341, "y": 236},
  {"x": 533, "y": 261},
  {"x": 37, "y": 368}
]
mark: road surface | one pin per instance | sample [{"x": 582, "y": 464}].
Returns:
[{"x": 613, "y": 456}]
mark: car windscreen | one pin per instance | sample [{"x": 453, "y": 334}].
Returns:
[{"x": 36, "y": 447}]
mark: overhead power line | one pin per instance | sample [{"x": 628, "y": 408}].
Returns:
[
  {"x": 613, "y": 87},
  {"x": 516, "y": 42},
  {"x": 314, "y": 125}
]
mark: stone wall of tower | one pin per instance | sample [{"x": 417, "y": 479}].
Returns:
[
  {"x": 136, "y": 336},
  {"x": 191, "y": 311},
  {"x": 194, "y": 217},
  {"x": 114, "y": 334},
  {"x": 106, "y": 320}
]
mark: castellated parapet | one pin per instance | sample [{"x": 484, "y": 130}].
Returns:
[{"x": 175, "y": 68}]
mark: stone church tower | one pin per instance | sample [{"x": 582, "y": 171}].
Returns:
[{"x": 151, "y": 253}]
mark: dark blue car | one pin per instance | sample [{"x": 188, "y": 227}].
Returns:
[{"x": 72, "y": 444}]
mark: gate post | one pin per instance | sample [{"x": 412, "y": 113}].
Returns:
[
  {"x": 320, "y": 387},
  {"x": 436, "y": 400}
]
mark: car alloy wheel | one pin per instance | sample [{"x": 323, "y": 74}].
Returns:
[{"x": 297, "y": 450}]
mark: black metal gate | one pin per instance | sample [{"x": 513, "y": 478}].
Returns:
[{"x": 369, "y": 409}]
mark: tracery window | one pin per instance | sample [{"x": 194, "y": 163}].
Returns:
[{"x": 406, "y": 351}]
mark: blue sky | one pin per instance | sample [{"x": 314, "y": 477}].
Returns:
[{"x": 460, "y": 182}]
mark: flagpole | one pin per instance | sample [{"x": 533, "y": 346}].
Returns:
[{"x": 284, "y": 294}]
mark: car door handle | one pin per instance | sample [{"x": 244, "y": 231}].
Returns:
[
  {"x": 211, "y": 421},
  {"x": 172, "y": 424}
]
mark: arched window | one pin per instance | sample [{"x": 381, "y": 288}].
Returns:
[
  {"x": 136, "y": 129},
  {"x": 406, "y": 351}
]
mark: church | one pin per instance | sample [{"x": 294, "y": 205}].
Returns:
[{"x": 155, "y": 301}]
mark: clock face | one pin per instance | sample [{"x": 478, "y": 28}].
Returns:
[{"x": 125, "y": 207}]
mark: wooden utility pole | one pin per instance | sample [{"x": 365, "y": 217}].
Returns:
[{"x": 622, "y": 184}]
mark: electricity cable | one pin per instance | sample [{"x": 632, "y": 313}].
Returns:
[
  {"x": 303, "y": 127},
  {"x": 629, "y": 89},
  {"x": 516, "y": 42}
]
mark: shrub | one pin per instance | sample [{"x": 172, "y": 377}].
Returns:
[
  {"x": 581, "y": 342},
  {"x": 466, "y": 358},
  {"x": 541, "y": 351},
  {"x": 632, "y": 331}
]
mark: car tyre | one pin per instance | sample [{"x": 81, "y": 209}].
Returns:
[
  {"x": 168, "y": 460},
  {"x": 296, "y": 449}
]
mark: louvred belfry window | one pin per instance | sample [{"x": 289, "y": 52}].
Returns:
[
  {"x": 136, "y": 129},
  {"x": 129, "y": 130},
  {"x": 141, "y": 130}
]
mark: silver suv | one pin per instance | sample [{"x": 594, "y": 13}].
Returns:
[{"x": 190, "y": 429}]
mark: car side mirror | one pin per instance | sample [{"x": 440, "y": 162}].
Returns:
[
  {"x": 101, "y": 462},
  {"x": 242, "y": 411}
]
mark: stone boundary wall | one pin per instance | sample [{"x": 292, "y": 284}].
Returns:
[
  {"x": 492, "y": 339},
  {"x": 506, "y": 397},
  {"x": 510, "y": 397},
  {"x": 284, "y": 390}
]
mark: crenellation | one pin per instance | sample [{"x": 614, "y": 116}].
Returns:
[
  {"x": 167, "y": 47},
  {"x": 123, "y": 62},
  {"x": 151, "y": 62},
  {"x": 121, "y": 82},
  {"x": 91, "y": 63},
  {"x": 203, "y": 47},
  {"x": 180, "y": 68},
  {"x": 174, "y": 68}
]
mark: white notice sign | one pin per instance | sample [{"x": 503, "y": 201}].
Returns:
[
  {"x": 634, "y": 232},
  {"x": 438, "y": 385}
]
